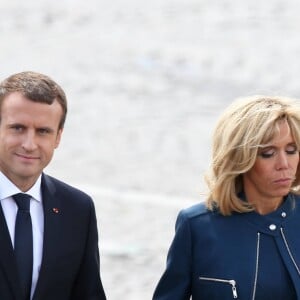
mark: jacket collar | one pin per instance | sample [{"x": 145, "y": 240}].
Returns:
[{"x": 272, "y": 222}]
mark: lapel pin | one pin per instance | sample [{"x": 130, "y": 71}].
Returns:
[{"x": 55, "y": 210}]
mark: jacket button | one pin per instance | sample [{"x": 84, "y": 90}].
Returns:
[
  {"x": 283, "y": 214},
  {"x": 272, "y": 227}
]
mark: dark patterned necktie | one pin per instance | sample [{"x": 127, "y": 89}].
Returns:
[{"x": 23, "y": 243}]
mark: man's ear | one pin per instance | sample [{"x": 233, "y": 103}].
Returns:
[{"x": 58, "y": 137}]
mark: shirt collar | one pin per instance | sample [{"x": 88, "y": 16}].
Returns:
[{"x": 7, "y": 188}]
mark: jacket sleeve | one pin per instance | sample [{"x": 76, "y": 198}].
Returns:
[
  {"x": 88, "y": 284},
  {"x": 175, "y": 284}
]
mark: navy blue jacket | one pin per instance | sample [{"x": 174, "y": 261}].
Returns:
[
  {"x": 70, "y": 262},
  {"x": 218, "y": 257}
]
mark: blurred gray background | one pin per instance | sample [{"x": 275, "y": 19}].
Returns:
[{"x": 146, "y": 82}]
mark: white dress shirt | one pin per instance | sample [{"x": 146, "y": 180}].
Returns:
[{"x": 9, "y": 206}]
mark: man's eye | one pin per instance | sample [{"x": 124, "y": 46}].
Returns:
[
  {"x": 43, "y": 131},
  {"x": 17, "y": 128}
]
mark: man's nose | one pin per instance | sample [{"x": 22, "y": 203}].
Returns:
[{"x": 29, "y": 141}]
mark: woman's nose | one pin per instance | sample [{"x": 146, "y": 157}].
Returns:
[{"x": 282, "y": 161}]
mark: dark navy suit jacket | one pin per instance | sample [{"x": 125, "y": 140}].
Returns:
[
  {"x": 215, "y": 257},
  {"x": 70, "y": 263}
]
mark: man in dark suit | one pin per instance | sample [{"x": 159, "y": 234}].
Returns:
[{"x": 57, "y": 231}]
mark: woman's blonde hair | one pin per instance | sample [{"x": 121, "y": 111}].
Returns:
[{"x": 245, "y": 126}]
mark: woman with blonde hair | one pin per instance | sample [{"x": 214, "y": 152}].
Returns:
[{"x": 243, "y": 242}]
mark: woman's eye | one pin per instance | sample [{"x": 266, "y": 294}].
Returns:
[
  {"x": 267, "y": 154},
  {"x": 291, "y": 150}
]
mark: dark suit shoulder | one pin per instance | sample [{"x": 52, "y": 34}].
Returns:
[
  {"x": 194, "y": 214},
  {"x": 64, "y": 190},
  {"x": 195, "y": 211}
]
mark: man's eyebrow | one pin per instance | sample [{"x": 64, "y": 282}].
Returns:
[{"x": 15, "y": 124}]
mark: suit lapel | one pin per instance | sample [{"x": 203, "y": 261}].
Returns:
[
  {"x": 7, "y": 259},
  {"x": 51, "y": 206}
]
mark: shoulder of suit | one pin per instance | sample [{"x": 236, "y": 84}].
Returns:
[
  {"x": 196, "y": 210},
  {"x": 62, "y": 186}
]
